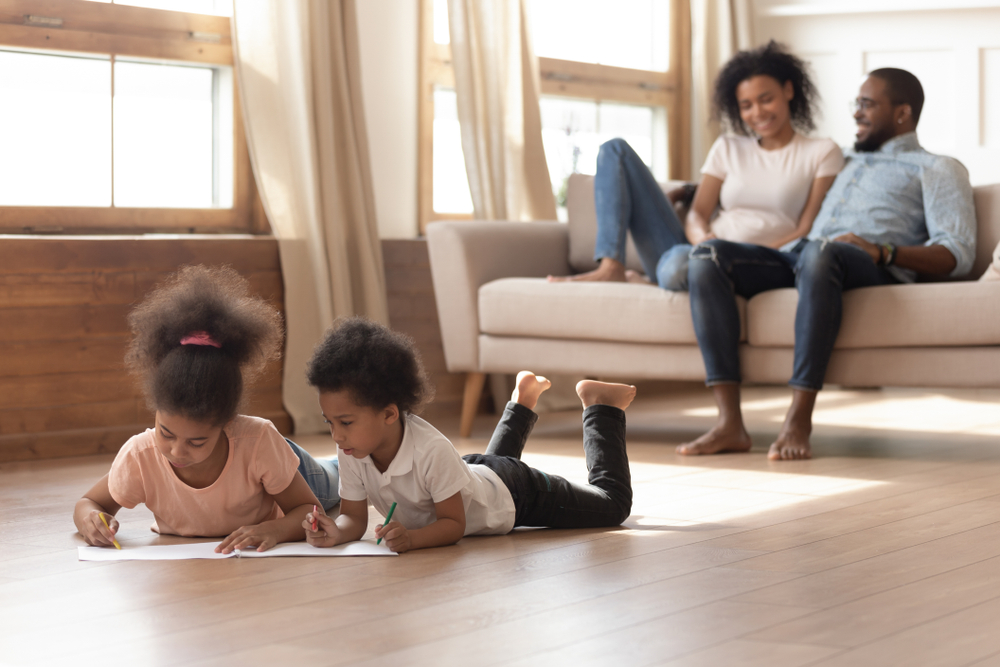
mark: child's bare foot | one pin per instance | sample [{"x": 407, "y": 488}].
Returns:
[
  {"x": 592, "y": 392},
  {"x": 722, "y": 438},
  {"x": 637, "y": 278},
  {"x": 528, "y": 388},
  {"x": 792, "y": 443},
  {"x": 609, "y": 270}
]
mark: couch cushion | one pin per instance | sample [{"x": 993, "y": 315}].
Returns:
[
  {"x": 583, "y": 224},
  {"x": 922, "y": 315},
  {"x": 987, "y": 226},
  {"x": 620, "y": 312}
]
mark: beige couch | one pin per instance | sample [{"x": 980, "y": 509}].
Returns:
[{"x": 499, "y": 314}]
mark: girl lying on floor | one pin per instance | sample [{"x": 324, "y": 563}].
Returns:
[
  {"x": 204, "y": 470},
  {"x": 371, "y": 382}
]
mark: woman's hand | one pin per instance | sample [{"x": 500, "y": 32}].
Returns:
[
  {"x": 93, "y": 529},
  {"x": 396, "y": 536},
  {"x": 327, "y": 534},
  {"x": 697, "y": 235},
  {"x": 263, "y": 536}
]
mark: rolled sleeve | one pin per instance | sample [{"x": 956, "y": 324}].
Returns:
[{"x": 950, "y": 211}]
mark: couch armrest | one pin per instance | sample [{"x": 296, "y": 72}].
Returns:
[{"x": 467, "y": 254}]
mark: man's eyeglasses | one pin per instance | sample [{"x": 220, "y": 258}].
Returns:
[{"x": 861, "y": 104}]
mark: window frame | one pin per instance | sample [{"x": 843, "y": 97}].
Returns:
[
  {"x": 566, "y": 78},
  {"x": 81, "y": 26}
]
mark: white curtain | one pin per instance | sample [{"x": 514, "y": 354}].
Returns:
[
  {"x": 719, "y": 28},
  {"x": 297, "y": 64},
  {"x": 497, "y": 86}
]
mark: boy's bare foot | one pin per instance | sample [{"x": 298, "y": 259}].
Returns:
[
  {"x": 592, "y": 392},
  {"x": 721, "y": 439},
  {"x": 528, "y": 388},
  {"x": 792, "y": 443},
  {"x": 609, "y": 271},
  {"x": 637, "y": 278}
]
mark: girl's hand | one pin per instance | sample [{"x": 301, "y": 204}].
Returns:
[
  {"x": 396, "y": 537},
  {"x": 94, "y": 530},
  {"x": 327, "y": 534},
  {"x": 263, "y": 536},
  {"x": 696, "y": 235}
]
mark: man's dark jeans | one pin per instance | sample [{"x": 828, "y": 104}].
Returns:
[
  {"x": 549, "y": 500},
  {"x": 821, "y": 270}
]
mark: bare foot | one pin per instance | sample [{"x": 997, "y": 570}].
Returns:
[
  {"x": 637, "y": 278},
  {"x": 792, "y": 443},
  {"x": 528, "y": 388},
  {"x": 592, "y": 392},
  {"x": 721, "y": 439},
  {"x": 608, "y": 271}
]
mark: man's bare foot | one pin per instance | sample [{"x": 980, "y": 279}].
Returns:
[
  {"x": 721, "y": 439},
  {"x": 608, "y": 271},
  {"x": 528, "y": 388},
  {"x": 792, "y": 443},
  {"x": 637, "y": 278},
  {"x": 592, "y": 392}
]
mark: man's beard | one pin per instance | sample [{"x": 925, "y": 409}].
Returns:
[{"x": 874, "y": 141}]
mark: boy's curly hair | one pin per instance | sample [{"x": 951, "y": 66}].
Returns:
[
  {"x": 200, "y": 382},
  {"x": 377, "y": 365},
  {"x": 775, "y": 61}
]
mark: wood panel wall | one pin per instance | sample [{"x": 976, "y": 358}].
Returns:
[
  {"x": 413, "y": 310},
  {"x": 63, "y": 303}
]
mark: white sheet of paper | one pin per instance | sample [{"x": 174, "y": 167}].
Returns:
[{"x": 206, "y": 550}]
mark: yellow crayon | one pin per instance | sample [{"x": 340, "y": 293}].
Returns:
[{"x": 117, "y": 546}]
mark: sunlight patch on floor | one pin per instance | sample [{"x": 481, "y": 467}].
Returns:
[
  {"x": 676, "y": 495},
  {"x": 900, "y": 409}
]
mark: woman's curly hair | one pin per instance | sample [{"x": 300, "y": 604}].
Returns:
[
  {"x": 775, "y": 61},
  {"x": 376, "y": 365},
  {"x": 201, "y": 382}
]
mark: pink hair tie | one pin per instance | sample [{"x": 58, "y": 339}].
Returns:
[{"x": 199, "y": 338}]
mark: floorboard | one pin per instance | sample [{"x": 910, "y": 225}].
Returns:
[{"x": 884, "y": 549}]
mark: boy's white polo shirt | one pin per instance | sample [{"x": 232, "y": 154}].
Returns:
[{"x": 428, "y": 469}]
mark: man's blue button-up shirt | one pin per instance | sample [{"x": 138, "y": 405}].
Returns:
[{"x": 903, "y": 195}]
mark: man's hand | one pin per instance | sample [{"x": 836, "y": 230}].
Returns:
[
  {"x": 397, "y": 538},
  {"x": 874, "y": 251}
]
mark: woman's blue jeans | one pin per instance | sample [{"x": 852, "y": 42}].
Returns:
[
  {"x": 322, "y": 476},
  {"x": 552, "y": 501},
  {"x": 627, "y": 198},
  {"x": 821, "y": 270}
]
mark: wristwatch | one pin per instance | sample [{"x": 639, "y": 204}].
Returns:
[{"x": 887, "y": 254}]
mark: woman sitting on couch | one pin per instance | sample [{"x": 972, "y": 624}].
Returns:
[{"x": 767, "y": 176}]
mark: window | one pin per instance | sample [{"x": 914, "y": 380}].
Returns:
[
  {"x": 603, "y": 73},
  {"x": 125, "y": 117}
]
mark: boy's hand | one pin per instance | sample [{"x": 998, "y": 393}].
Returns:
[
  {"x": 263, "y": 536},
  {"x": 396, "y": 537},
  {"x": 327, "y": 534},
  {"x": 94, "y": 530}
]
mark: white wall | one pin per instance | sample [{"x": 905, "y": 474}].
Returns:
[
  {"x": 952, "y": 46},
  {"x": 387, "y": 32}
]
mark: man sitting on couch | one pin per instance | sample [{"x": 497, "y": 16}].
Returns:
[{"x": 895, "y": 211}]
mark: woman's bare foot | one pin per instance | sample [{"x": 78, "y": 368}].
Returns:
[
  {"x": 637, "y": 278},
  {"x": 721, "y": 439},
  {"x": 592, "y": 392},
  {"x": 609, "y": 271},
  {"x": 528, "y": 388}
]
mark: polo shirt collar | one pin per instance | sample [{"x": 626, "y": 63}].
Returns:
[{"x": 402, "y": 463}]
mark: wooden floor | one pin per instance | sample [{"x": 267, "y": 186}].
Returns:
[{"x": 883, "y": 550}]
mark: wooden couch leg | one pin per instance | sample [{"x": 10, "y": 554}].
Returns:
[{"x": 470, "y": 401}]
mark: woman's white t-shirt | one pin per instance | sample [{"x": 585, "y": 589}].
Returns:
[
  {"x": 428, "y": 469},
  {"x": 764, "y": 191}
]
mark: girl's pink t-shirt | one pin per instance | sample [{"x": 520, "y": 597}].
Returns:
[{"x": 260, "y": 466}]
